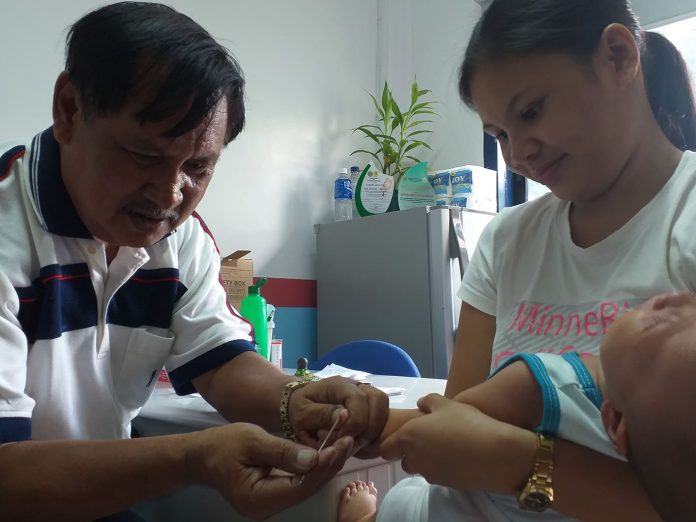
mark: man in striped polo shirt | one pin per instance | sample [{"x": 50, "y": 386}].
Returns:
[{"x": 107, "y": 275}]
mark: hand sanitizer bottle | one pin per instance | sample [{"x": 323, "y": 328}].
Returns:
[{"x": 254, "y": 310}]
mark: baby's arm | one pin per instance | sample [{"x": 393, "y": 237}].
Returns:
[{"x": 511, "y": 395}]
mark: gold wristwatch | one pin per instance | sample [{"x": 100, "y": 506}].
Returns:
[{"x": 537, "y": 494}]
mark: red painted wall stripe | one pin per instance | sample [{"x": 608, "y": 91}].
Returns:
[{"x": 290, "y": 293}]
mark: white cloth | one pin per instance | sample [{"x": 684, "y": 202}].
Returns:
[
  {"x": 82, "y": 342},
  {"x": 549, "y": 295},
  {"x": 571, "y": 400},
  {"x": 570, "y": 411}
]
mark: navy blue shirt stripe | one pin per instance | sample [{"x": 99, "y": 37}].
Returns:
[
  {"x": 8, "y": 158},
  {"x": 57, "y": 209},
  {"x": 62, "y": 299},
  {"x": 181, "y": 377},
  {"x": 14, "y": 429},
  {"x": 146, "y": 299}
]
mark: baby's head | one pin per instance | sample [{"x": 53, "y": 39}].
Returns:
[{"x": 648, "y": 358}]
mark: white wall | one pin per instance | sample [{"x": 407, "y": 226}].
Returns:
[
  {"x": 429, "y": 39},
  {"x": 308, "y": 65}
]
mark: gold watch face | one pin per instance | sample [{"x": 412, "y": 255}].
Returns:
[{"x": 537, "y": 501}]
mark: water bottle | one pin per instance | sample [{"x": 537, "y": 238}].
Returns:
[
  {"x": 343, "y": 197},
  {"x": 354, "y": 175}
]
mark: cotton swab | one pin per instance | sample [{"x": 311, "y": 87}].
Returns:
[{"x": 323, "y": 443}]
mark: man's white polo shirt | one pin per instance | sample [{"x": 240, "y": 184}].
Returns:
[{"x": 82, "y": 343}]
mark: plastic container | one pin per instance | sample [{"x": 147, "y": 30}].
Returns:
[
  {"x": 414, "y": 188},
  {"x": 460, "y": 181},
  {"x": 254, "y": 310},
  {"x": 277, "y": 353},
  {"x": 343, "y": 197}
]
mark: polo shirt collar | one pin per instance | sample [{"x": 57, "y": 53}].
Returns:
[{"x": 52, "y": 203}]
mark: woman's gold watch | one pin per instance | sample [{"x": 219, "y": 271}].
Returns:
[{"x": 537, "y": 494}]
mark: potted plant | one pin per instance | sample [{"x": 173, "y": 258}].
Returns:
[{"x": 399, "y": 133}]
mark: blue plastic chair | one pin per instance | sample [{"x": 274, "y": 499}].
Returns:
[{"x": 372, "y": 356}]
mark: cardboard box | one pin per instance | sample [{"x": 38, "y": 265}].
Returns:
[{"x": 237, "y": 276}]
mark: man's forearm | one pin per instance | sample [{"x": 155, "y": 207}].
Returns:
[
  {"x": 85, "y": 480},
  {"x": 247, "y": 389}
]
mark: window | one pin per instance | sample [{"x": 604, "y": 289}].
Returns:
[{"x": 683, "y": 35}]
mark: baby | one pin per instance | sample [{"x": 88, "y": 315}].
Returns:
[{"x": 649, "y": 355}]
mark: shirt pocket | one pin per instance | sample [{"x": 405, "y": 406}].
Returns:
[{"x": 145, "y": 356}]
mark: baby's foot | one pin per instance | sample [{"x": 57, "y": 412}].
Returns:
[{"x": 358, "y": 502}]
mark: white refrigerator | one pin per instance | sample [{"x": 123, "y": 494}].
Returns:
[{"x": 394, "y": 277}]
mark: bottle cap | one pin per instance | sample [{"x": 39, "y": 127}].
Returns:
[
  {"x": 255, "y": 289},
  {"x": 355, "y": 168},
  {"x": 343, "y": 171}
]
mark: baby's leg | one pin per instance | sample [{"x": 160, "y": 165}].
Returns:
[{"x": 358, "y": 503}]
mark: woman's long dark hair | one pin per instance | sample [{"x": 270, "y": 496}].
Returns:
[{"x": 574, "y": 27}]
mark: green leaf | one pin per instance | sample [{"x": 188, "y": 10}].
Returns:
[
  {"x": 386, "y": 94},
  {"x": 368, "y": 133},
  {"x": 395, "y": 108},
  {"x": 378, "y": 138},
  {"x": 387, "y": 103},
  {"x": 413, "y": 158},
  {"x": 425, "y": 111},
  {"x": 367, "y": 127},
  {"x": 419, "y": 106},
  {"x": 377, "y": 107},
  {"x": 377, "y": 158},
  {"x": 398, "y": 118},
  {"x": 413, "y": 145},
  {"x": 415, "y": 123},
  {"x": 414, "y": 133},
  {"x": 414, "y": 91}
]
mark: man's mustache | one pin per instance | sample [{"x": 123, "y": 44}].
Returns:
[{"x": 151, "y": 212}]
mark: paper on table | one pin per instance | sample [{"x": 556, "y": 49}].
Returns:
[
  {"x": 392, "y": 390},
  {"x": 357, "y": 375},
  {"x": 334, "y": 369}
]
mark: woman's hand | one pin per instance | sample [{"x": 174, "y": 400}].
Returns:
[
  {"x": 258, "y": 473},
  {"x": 313, "y": 408},
  {"x": 457, "y": 445}
]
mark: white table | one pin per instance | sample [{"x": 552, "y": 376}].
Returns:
[{"x": 166, "y": 413}]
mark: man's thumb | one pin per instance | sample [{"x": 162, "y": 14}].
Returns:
[{"x": 293, "y": 457}]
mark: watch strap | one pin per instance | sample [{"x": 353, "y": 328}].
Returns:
[{"x": 540, "y": 484}]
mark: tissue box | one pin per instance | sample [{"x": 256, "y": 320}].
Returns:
[{"x": 237, "y": 276}]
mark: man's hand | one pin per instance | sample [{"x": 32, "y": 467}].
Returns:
[
  {"x": 258, "y": 473},
  {"x": 457, "y": 445},
  {"x": 313, "y": 409}
]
